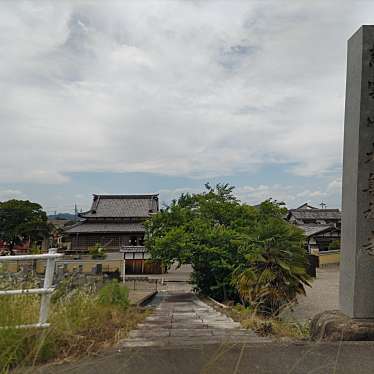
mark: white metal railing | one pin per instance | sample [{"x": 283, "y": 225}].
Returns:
[{"x": 47, "y": 289}]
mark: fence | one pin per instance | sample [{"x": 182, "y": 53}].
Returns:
[{"x": 47, "y": 289}]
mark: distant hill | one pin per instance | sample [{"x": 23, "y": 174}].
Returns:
[{"x": 67, "y": 216}]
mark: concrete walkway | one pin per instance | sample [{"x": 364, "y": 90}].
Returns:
[
  {"x": 174, "y": 340},
  {"x": 250, "y": 358},
  {"x": 323, "y": 295},
  {"x": 182, "y": 319}
]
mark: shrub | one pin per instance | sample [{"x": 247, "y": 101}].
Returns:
[
  {"x": 265, "y": 326},
  {"x": 97, "y": 251},
  {"x": 334, "y": 245},
  {"x": 114, "y": 293},
  {"x": 35, "y": 250}
]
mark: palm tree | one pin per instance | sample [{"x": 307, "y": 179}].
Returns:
[{"x": 274, "y": 270}]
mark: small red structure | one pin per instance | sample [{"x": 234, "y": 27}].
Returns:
[{"x": 22, "y": 247}]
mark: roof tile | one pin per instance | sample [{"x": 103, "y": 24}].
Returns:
[{"x": 122, "y": 206}]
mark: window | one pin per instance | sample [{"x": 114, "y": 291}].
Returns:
[
  {"x": 99, "y": 268},
  {"x": 133, "y": 240}
]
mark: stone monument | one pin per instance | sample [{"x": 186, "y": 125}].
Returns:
[{"x": 355, "y": 320}]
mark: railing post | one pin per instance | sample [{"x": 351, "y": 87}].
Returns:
[
  {"x": 124, "y": 269},
  {"x": 48, "y": 280}
]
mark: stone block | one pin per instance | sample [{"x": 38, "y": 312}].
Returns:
[
  {"x": 335, "y": 326},
  {"x": 191, "y": 332},
  {"x": 357, "y": 260}
]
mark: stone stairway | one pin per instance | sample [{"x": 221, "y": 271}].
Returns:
[{"x": 183, "y": 319}]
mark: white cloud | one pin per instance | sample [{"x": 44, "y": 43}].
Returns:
[
  {"x": 257, "y": 194},
  {"x": 167, "y": 195},
  {"x": 11, "y": 194},
  {"x": 178, "y": 88},
  {"x": 335, "y": 186},
  {"x": 292, "y": 195}
]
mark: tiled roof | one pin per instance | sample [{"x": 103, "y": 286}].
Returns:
[
  {"x": 310, "y": 230},
  {"x": 122, "y": 206},
  {"x": 88, "y": 227},
  {"x": 306, "y": 206},
  {"x": 302, "y": 214}
]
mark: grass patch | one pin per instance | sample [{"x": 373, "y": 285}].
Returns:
[
  {"x": 269, "y": 326},
  {"x": 264, "y": 325},
  {"x": 83, "y": 321}
]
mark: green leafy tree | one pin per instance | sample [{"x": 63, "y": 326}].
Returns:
[
  {"x": 200, "y": 229},
  {"x": 20, "y": 220},
  {"x": 334, "y": 245},
  {"x": 225, "y": 240},
  {"x": 274, "y": 269}
]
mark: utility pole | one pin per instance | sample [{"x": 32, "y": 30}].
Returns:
[{"x": 323, "y": 205}]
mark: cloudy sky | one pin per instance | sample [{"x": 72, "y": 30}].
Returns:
[{"x": 144, "y": 96}]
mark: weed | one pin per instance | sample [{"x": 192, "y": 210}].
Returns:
[
  {"x": 114, "y": 293},
  {"x": 269, "y": 326},
  {"x": 83, "y": 321}
]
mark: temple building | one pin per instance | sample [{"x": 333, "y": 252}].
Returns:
[
  {"x": 116, "y": 222},
  {"x": 322, "y": 228},
  {"x": 309, "y": 215}
]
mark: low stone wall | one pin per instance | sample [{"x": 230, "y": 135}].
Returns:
[
  {"x": 86, "y": 266},
  {"x": 329, "y": 258}
]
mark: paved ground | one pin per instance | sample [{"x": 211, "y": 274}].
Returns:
[
  {"x": 176, "y": 279},
  {"x": 181, "y": 318},
  {"x": 136, "y": 297},
  {"x": 323, "y": 295},
  {"x": 181, "y": 274},
  {"x": 255, "y": 358}
]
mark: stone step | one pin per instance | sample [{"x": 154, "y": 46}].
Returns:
[
  {"x": 173, "y": 325},
  {"x": 193, "y": 331},
  {"x": 159, "y": 333},
  {"x": 176, "y": 322},
  {"x": 186, "y": 325},
  {"x": 222, "y": 324},
  {"x": 162, "y": 333},
  {"x": 133, "y": 343},
  {"x": 197, "y": 341}
]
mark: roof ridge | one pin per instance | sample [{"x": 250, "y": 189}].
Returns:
[
  {"x": 314, "y": 210},
  {"x": 127, "y": 196}
]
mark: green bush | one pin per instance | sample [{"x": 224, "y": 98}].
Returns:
[
  {"x": 114, "y": 293},
  {"x": 97, "y": 251},
  {"x": 334, "y": 245},
  {"x": 35, "y": 250}
]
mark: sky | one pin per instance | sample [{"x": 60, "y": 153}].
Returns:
[{"x": 163, "y": 96}]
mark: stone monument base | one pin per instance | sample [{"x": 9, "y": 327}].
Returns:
[{"x": 333, "y": 325}]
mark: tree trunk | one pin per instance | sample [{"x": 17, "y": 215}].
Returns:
[{"x": 224, "y": 293}]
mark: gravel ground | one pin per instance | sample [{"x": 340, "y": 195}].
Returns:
[{"x": 323, "y": 295}]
